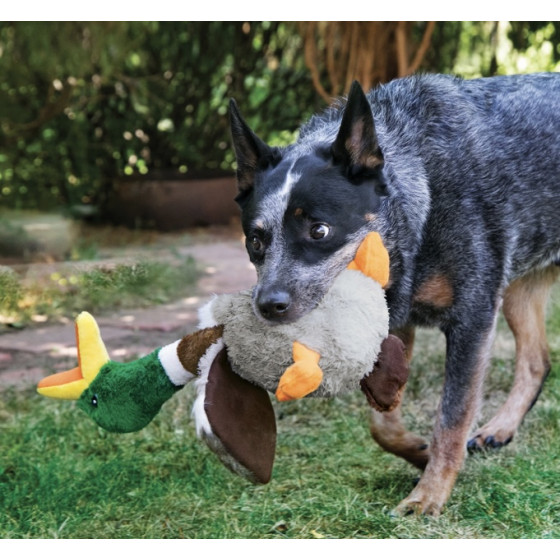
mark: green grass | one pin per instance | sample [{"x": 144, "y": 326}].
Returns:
[
  {"x": 61, "y": 476},
  {"x": 63, "y": 294}
]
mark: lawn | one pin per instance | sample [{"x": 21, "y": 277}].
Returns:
[
  {"x": 120, "y": 274},
  {"x": 61, "y": 476}
]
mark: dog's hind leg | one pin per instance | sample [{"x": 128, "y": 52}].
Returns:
[
  {"x": 524, "y": 308},
  {"x": 387, "y": 428}
]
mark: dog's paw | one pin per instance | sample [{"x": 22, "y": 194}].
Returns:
[
  {"x": 420, "y": 503},
  {"x": 487, "y": 438}
]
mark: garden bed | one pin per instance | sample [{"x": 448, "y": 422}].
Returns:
[{"x": 173, "y": 202}]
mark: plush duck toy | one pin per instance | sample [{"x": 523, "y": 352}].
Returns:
[{"x": 235, "y": 360}]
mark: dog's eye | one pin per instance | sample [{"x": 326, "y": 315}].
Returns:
[
  {"x": 256, "y": 244},
  {"x": 319, "y": 231}
]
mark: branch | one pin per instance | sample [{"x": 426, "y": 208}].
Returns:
[
  {"x": 333, "y": 68},
  {"x": 311, "y": 61},
  {"x": 424, "y": 45},
  {"x": 50, "y": 110},
  {"x": 402, "y": 55}
]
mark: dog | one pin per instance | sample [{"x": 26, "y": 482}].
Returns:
[{"x": 462, "y": 180}]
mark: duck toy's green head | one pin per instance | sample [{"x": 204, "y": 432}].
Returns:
[{"x": 119, "y": 397}]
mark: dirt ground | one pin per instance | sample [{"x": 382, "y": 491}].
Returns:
[{"x": 29, "y": 354}]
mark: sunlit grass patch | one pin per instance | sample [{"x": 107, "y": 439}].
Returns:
[
  {"x": 63, "y": 294},
  {"x": 62, "y": 476}
]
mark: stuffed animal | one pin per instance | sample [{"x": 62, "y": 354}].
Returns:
[{"x": 235, "y": 360}]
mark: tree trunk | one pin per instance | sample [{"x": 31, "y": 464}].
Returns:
[{"x": 371, "y": 52}]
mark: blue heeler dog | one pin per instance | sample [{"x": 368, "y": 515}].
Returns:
[{"x": 462, "y": 180}]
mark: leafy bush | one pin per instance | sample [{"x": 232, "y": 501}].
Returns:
[
  {"x": 81, "y": 103},
  {"x": 10, "y": 291},
  {"x": 84, "y": 102},
  {"x": 15, "y": 241}
]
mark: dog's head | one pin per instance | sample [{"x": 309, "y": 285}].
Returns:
[{"x": 305, "y": 208}]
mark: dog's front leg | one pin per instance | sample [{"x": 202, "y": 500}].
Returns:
[{"x": 468, "y": 348}]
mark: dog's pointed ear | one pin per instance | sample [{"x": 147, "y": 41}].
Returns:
[
  {"x": 356, "y": 145},
  {"x": 250, "y": 150}
]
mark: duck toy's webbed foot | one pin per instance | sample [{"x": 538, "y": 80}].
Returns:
[
  {"x": 303, "y": 377},
  {"x": 384, "y": 386}
]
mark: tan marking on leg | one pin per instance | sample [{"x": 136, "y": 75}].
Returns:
[
  {"x": 448, "y": 447},
  {"x": 387, "y": 428},
  {"x": 525, "y": 310},
  {"x": 437, "y": 291},
  {"x": 447, "y": 453},
  {"x": 389, "y": 432}
]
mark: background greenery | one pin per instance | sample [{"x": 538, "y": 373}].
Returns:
[{"x": 82, "y": 103}]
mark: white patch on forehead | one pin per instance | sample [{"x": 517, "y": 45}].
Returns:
[{"x": 273, "y": 206}]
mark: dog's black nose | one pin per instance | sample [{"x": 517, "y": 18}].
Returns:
[{"x": 274, "y": 304}]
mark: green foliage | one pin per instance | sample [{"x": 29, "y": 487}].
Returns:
[
  {"x": 128, "y": 285},
  {"x": 10, "y": 291},
  {"x": 14, "y": 240},
  {"x": 485, "y": 48},
  {"x": 82, "y": 103},
  {"x": 530, "y": 46}
]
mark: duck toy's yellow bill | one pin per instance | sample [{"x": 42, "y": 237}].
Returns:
[{"x": 92, "y": 356}]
